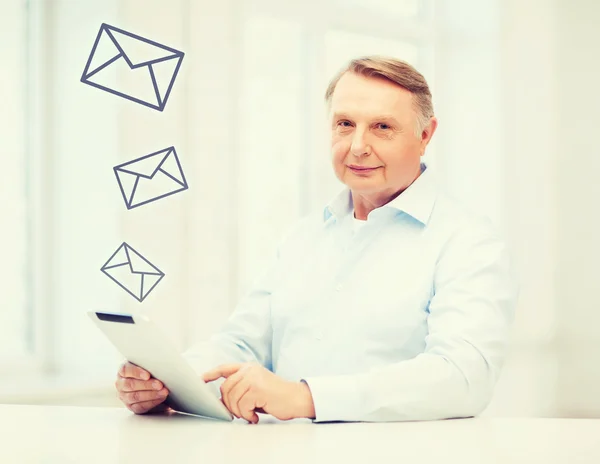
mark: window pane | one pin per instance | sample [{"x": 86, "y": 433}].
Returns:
[
  {"x": 272, "y": 147},
  {"x": 397, "y": 8},
  {"x": 342, "y": 46},
  {"x": 13, "y": 198}
]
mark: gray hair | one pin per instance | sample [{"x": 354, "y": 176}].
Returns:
[{"x": 400, "y": 73}]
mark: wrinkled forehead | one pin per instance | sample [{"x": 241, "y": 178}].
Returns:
[{"x": 370, "y": 96}]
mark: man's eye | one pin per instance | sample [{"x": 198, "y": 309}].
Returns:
[
  {"x": 344, "y": 123},
  {"x": 383, "y": 126}
]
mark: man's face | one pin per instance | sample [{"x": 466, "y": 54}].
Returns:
[{"x": 373, "y": 126}]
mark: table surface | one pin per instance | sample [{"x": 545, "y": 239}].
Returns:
[{"x": 57, "y": 434}]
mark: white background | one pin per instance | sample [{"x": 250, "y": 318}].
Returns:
[{"x": 514, "y": 90}]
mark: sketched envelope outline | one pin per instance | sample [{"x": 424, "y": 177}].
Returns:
[
  {"x": 127, "y": 264},
  {"x": 123, "y": 51},
  {"x": 136, "y": 176}
]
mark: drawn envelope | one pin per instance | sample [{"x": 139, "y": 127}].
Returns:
[
  {"x": 150, "y": 178},
  {"x": 132, "y": 67},
  {"x": 132, "y": 272}
]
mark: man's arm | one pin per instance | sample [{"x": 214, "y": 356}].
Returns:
[
  {"x": 246, "y": 337},
  {"x": 469, "y": 322}
]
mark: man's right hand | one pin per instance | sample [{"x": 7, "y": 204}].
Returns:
[{"x": 138, "y": 390}]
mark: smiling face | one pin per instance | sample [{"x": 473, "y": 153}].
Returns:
[{"x": 374, "y": 149}]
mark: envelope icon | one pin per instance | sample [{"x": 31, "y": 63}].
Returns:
[
  {"x": 150, "y": 178},
  {"x": 132, "y": 272},
  {"x": 132, "y": 67}
]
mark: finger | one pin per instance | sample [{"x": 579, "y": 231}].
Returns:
[
  {"x": 132, "y": 371},
  {"x": 128, "y": 384},
  {"x": 234, "y": 395},
  {"x": 141, "y": 396},
  {"x": 226, "y": 389},
  {"x": 145, "y": 406},
  {"x": 224, "y": 370},
  {"x": 247, "y": 406}
]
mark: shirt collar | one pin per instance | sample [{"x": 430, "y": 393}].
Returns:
[{"x": 417, "y": 200}]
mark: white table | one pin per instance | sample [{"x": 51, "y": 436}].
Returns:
[{"x": 56, "y": 434}]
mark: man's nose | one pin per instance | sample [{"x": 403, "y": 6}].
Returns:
[{"x": 359, "y": 145}]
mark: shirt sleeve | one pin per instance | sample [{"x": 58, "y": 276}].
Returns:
[
  {"x": 469, "y": 319},
  {"x": 245, "y": 337}
]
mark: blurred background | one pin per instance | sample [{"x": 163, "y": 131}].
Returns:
[{"x": 514, "y": 88}]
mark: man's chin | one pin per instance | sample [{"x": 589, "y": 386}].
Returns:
[{"x": 365, "y": 186}]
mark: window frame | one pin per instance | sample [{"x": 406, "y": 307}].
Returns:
[{"x": 38, "y": 356}]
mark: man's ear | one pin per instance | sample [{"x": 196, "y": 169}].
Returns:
[{"x": 428, "y": 132}]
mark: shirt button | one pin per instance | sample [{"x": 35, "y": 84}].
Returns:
[{"x": 339, "y": 287}]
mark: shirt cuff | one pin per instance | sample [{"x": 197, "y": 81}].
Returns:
[{"x": 335, "y": 398}]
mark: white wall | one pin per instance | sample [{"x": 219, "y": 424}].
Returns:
[
  {"x": 529, "y": 121},
  {"x": 545, "y": 78},
  {"x": 578, "y": 215}
]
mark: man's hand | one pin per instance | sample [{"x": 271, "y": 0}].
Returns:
[
  {"x": 139, "y": 391},
  {"x": 250, "y": 388}
]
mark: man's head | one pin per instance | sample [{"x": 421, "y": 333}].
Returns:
[{"x": 381, "y": 117}]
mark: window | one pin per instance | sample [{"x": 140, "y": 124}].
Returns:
[
  {"x": 16, "y": 323},
  {"x": 397, "y": 9},
  {"x": 272, "y": 148}
]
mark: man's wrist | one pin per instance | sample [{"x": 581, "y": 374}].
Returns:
[{"x": 306, "y": 407}]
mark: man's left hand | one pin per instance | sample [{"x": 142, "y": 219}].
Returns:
[{"x": 250, "y": 388}]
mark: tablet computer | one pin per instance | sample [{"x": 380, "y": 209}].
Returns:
[{"x": 142, "y": 343}]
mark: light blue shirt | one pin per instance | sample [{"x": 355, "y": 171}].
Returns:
[{"x": 405, "y": 317}]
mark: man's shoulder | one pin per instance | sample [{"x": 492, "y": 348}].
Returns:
[
  {"x": 459, "y": 219},
  {"x": 472, "y": 242}
]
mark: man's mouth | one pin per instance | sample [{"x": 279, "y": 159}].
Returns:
[{"x": 363, "y": 169}]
